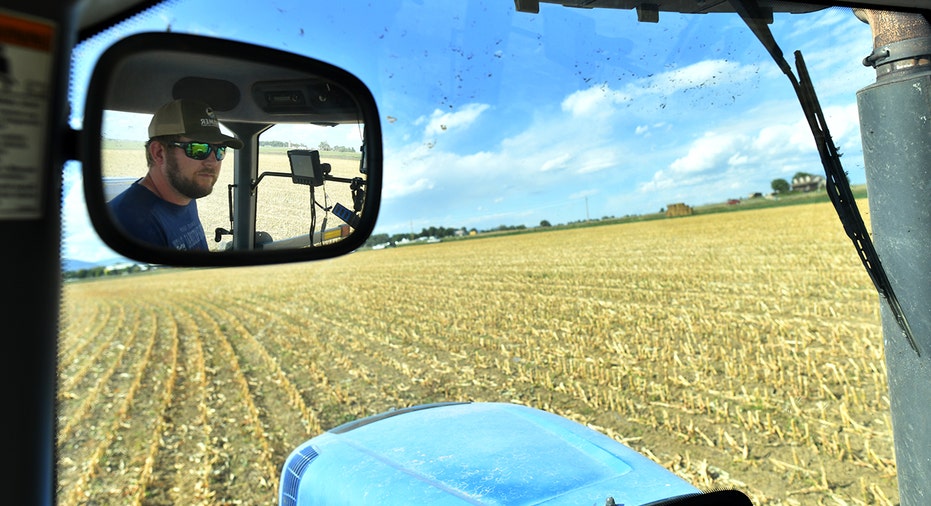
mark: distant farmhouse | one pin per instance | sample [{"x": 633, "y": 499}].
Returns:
[{"x": 808, "y": 183}]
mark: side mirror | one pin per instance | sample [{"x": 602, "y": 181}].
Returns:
[{"x": 299, "y": 141}]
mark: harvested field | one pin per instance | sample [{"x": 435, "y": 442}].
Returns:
[{"x": 740, "y": 349}]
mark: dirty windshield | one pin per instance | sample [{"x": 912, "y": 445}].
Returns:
[{"x": 617, "y": 221}]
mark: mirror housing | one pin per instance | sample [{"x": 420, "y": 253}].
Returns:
[{"x": 251, "y": 89}]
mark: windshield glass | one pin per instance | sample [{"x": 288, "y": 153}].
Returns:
[{"x": 737, "y": 350}]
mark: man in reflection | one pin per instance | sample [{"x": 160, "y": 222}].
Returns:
[{"x": 184, "y": 153}]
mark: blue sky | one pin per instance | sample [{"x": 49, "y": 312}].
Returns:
[{"x": 493, "y": 117}]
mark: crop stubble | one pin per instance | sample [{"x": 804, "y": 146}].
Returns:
[{"x": 739, "y": 349}]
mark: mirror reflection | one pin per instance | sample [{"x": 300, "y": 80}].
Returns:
[
  {"x": 184, "y": 157},
  {"x": 217, "y": 155}
]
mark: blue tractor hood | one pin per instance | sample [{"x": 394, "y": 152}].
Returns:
[{"x": 471, "y": 453}]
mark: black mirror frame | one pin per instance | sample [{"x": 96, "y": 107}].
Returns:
[{"x": 91, "y": 146}]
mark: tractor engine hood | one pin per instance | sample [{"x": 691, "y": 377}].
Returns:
[{"x": 471, "y": 453}]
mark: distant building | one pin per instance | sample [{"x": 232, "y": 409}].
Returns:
[
  {"x": 680, "y": 209},
  {"x": 808, "y": 183}
]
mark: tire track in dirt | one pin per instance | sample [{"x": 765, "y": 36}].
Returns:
[
  {"x": 242, "y": 466},
  {"x": 182, "y": 466},
  {"x": 79, "y": 394},
  {"x": 259, "y": 328},
  {"x": 127, "y": 463},
  {"x": 82, "y": 322},
  {"x": 306, "y": 358},
  {"x": 361, "y": 376},
  {"x": 282, "y": 412},
  {"x": 113, "y": 394},
  {"x": 87, "y": 354}
]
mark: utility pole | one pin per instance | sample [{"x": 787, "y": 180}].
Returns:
[{"x": 895, "y": 126}]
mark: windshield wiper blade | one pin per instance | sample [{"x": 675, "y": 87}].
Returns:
[
  {"x": 838, "y": 186},
  {"x": 839, "y": 190}
]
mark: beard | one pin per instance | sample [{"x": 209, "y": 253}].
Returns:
[{"x": 191, "y": 187}]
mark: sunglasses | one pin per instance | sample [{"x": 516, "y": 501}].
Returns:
[{"x": 200, "y": 150}]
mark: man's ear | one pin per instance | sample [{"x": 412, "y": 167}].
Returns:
[{"x": 157, "y": 152}]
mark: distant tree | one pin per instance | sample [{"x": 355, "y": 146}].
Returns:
[
  {"x": 376, "y": 239},
  {"x": 396, "y": 238},
  {"x": 780, "y": 186},
  {"x": 324, "y": 146},
  {"x": 545, "y": 223},
  {"x": 438, "y": 232},
  {"x": 274, "y": 144},
  {"x": 506, "y": 228}
]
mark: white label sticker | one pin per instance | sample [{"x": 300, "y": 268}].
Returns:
[{"x": 26, "y": 46}]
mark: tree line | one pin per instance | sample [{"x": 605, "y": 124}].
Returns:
[
  {"x": 322, "y": 146},
  {"x": 101, "y": 271},
  {"x": 393, "y": 239}
]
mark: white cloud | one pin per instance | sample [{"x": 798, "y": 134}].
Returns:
[
  {"x": 844, "y": 124},
  {"x": 838, "y": 21},
  {"x": 440, "y": 122},
  {"x": 560, "y": 162},
  {"x": 708, "y": 73},
  {"x": 410, "y": 174},
  {"x": 597, "y": 100},
  {"x": 597, "y": 160},
  {"x": 711, "y": 151},
  {"x": 744, "y": 154},
  {"x": 600, "y": 101}
]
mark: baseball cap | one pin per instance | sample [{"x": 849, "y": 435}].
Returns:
[{"x": 190, "y": 118}]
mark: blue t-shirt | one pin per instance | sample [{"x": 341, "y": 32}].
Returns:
[{"x": 148, "y": 218}]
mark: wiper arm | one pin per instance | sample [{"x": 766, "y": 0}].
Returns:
[{"x": 838, "y": 186}]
